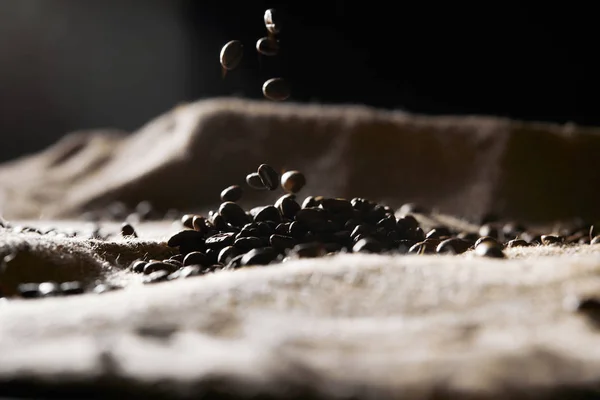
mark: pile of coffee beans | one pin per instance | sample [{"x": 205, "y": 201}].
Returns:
[
  {"x": 276, "y": 89},
  {"x": 231, "y": 237}
]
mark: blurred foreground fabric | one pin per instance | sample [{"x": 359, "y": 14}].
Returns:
[{"x": 464, "y": 166}]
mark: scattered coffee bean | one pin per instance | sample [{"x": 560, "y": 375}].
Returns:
[
  {"x": 453, "y": 246},
  {"x": 260, "y": 256},
  {"x": 549, "y": 240},
  {"x": 485, "y": 239},
  {"x": 71, "y": 288},
  {"x": 196, "y": 258},
  {"x": 268, "y": 176},
  {"x": 516, "y": 243},
  {"x": 282, "y": 242},
  {"x": 187, "y": 221},
  {"x": 128, "y": 231},
  {"x": 176, "y": 263},
  {"x": 231, "y": 54},
  {"x": 159, "y": 266},
  {"x": 177, "y": 257},
  {"x": 233, "y": 214},
  {"x": 138, "y": 266},
  {"x": 293, "y": 181},
  {"x": 232, "y": 193},
  {"x": 487, "y": 248},
  {"x": 155, "y": 277},
  {"x": 367, "y": 245}
]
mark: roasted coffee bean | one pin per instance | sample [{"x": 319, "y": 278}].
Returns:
[
  {"x": 310, "y": 202},
  {"x": 549, "y": 240},
  {"x": 232, "y": 193},
  {"x": 362, "y": 229},
  {"x": 489, "y": 230},
  {"x": 159, "y": 266},
  {"x": 282, "y": 242},
  {"x": 266, "y": 229},
  {"x": 387, "y": 223},
  {"x": 231, "y": 54},
  {"x": 29, "y": 290},
  {"x": 199, "y": 224},
  {"x": 276, "y": 89},
  {"x": 155, "y": 277},
  {"x": 260, "y": 256},
  {"x": 176, "y": 263},
  {"x": 367, "y": 245},
  {"x": 407, "y": 223},
  {"x": 220, "y": 240},
  {"x": 212, "y": 255},
  {"x": 272, "y": 21},
  {"x": 235, "y": 262},
  {"x": 268, "y": 176},
  {"x": 253, "y": 180},
  {"x": 227, "y": 254},
  {"x": 516, "y": 243},
  {"x": 138, "y": 266},
  {"x": 453, "y": 246},
  {"x": 233, "y": 214},
  {"x": 288, "y": 206},
  {"x": 267, "y": 46},
  {"x": 375, "y": 214},
  {"x": 488, "y": 248},
  {"x": 337, "y": 206},
  {"x": 310, "y": 216},
  {"x": 595, "y": 240},
  {"x": 187, "y": 221},
  {"x": 49, "y": 289},
  {"x": 177, "y": 257},
  {"x": 298, "y": 230},
  {"x": 293, "y": 181},
  {"x": 309, "y": 250},
  {"x": 404, "y": 246},
  {"x": 268, "y": 213},
  {"x": 248, "y": 243},
  {"x": 128, "y": 231},
  {"x": 423, "y": 248},
  {"x": 283, "y": 228},
  {"x": 196, "y": 258},
  {"x": 185, "y": 237},
  {"x": 486, "y": 239},
  {"x": 185, "y": 272},
  {"x": 351, "y": 224},
  {"x": 71, "y": 288}
]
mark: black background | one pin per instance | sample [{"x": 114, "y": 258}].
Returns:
[{"x": 120, "y": 63}]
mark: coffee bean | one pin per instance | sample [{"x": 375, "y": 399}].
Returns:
[
  {"x": 233, "y": 214},
  {"x": 486, "y": 239},
  {"x": 185, "y": 272},
  {"x": 293, "y": 181},
  {"x": 453, "y": 246},
  {"x": 253, "y": 180},
  {"x": 231, "y": 54},
  {"x": 272, "y": 21},
  {"x": 268, "y": 176},
  {"x": 220, "y": 240},
  {"x": 362, "y": 229},
  {"x": 276, "y": 89},
  {"x": 212, "y": 255},
  {"x": 235, "y": 262},
  {"x": 260, "y": 256},
  {"x": 71, "y": 288},
  {"x": 267, "y": 46},
  {"x": 155, "y": 277},
  {"x": 298, "y": 230},
  {"x": 159, "y": 266},
  {"x": 29, "y": 290},
  {"x": 311, "y": 216},
  {"x": 128, "y": 231},
  {"x": 489, "y": 230},
  {"x": 404, "y": 246},
  {"x": 227, "y": 254},
  {"x": 550, "y": 240},
  {"x": 187, "y": 221},
  {"x": 283, "y": 228},
  {"x": 199, "y": 224},
  {"x": 282, "y": 242},
  {"x": 177, "y": 264},
  {"x": 488, "y": 248},
  {"x": 367, "y": 245},
  {"x": 288, "y": 206},
  {"x": 49, "y": 289},
  {"x": 310, "y": 202},
  {"x": 309, "y": 250},
  {"x": 248, "y": 243},
  {"x": 177, "y": 257},
  {"x": 516, "y": 243},
  {"x": 268, "y": 213},
  {"x": 387, "y": 223},
  {"x": 196, "y": 258},
  {"x": 232, "y": 193},
  {"x": 185, "y": 237},
  {"x": 138, "y": 266},
  {"x": 595, "y": 240}
]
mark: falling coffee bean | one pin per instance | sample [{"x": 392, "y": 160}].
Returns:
[
  {"x": 276, "y": 89},
  {"x": 231, "y": 54},
  {"x": 268, "y": 176},
  {"x": 293, "y": 181},
  {"x": 267, "y": 46},
  {"x": 253, "y": 180},
  {"x": 232, "y": 193},
  {"x": 272, "y": 21}
]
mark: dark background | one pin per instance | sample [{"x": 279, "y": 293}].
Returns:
[{"x": 70, "y": 64}]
